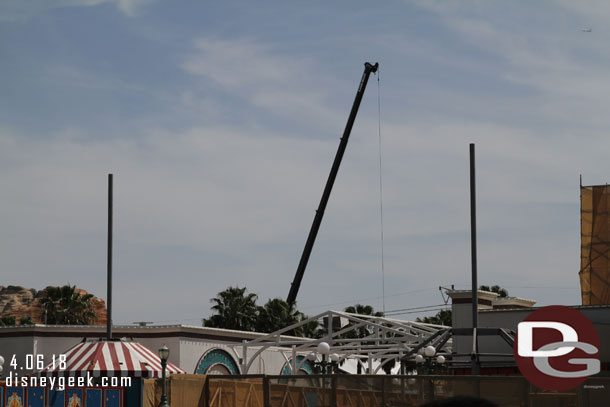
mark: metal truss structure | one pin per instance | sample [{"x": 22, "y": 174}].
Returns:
[{"x": 369, "y": 341}]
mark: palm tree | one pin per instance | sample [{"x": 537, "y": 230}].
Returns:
[
  {"x": 277, "y": 314},
  {"x": 387, "y": 368},
  {"x": 363, "y": 310},
  {"x": 234, "y": 310},
  {"x": 312, "y": 329},
  {"x": 495, "y": 289},
  {"x": 66, "y": 306},
  {"x": 360, "y": 309},
  {"x": 362, "y": 331},
  {"x": 443, "y": 317}
]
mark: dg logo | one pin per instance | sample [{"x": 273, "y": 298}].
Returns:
[{"x": 557, "y": 348}]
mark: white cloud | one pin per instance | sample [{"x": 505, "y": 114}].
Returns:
[
  {"x": 563, "y": 68},
  {"x": 19, "y": 10},
  {"x": 130, "y": 7},
  {"x": 240, "y": 63},
  {"x": 280, "y": 83}
]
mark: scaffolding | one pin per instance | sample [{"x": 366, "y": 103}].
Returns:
[{"x": 595, "y": 244}]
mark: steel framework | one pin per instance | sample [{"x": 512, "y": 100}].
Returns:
[{"x": 371, "y": 341}]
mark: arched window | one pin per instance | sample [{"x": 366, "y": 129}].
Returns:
[
  {"x": 217, "y": 361},
  {"x": 305, "y": 368}
]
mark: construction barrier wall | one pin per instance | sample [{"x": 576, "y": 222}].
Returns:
[
  {"x": 374, "y": 391},
  {"x": 17, "y": 396},
  {"x": 312, "y": 391}
]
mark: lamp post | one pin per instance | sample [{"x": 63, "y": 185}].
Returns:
[
  {"x": 325, "y": 368},
  {"x": 164, "y": 355},
  {"x": 323, "y": 349},
  {"x": 429, "y": 364},
  {"x": 334, "y": 361}
]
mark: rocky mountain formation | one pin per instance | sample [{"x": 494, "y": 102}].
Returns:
[{"x": 23, "y": 302}]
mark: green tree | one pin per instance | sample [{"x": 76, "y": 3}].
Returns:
[
  {"x": 311, "y": 329},
  {"x": 495, "y": 289},
  {"x": 387, "y": 368},
  {"x": 234, "y": 310},
  {"x": 443, "y": 317},
  {"x": 365, "y": 330},
  {"x": 8, "y": 320},
  {"x": 363, "y": 310},
  {"x": 25, "y": 321},
  {"x": 66, "y": 306},
  {"x": 277, "y": 314}
]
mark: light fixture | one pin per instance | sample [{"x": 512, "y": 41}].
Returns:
[
  {"x": 334, "y": 357},
  {"x": 164, "y": 353},
  {"x": 323, "y": 348},
  {"x": 311, "y": 356},
  {"x": 429, "y": 351},
  {"x": 440, "y": 359},
  {"x": 419, "y": 359}
]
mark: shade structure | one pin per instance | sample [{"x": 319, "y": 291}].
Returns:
[{"x": 110, "y": 358}]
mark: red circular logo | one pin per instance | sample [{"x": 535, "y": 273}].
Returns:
[{"x": 556, "y": 348}]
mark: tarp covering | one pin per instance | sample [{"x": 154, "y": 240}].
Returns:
[
  {"x": 110, "y": 358},
  {"x": 595, "y": 244}
]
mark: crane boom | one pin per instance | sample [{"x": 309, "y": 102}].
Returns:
[{"x": 317, "y": 221}]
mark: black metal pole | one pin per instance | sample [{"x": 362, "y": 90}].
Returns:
[
  {"x": 333, "y": 392},
  {"x": 164, "y": 402},
  {"x": 109, "y": 263},
  {"x": 294, "y": 288},
  {"x": 473, "y": 249},
  {"x": 266, "y": 395}
]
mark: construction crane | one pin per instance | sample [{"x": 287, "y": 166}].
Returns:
[{"x": 317, "y": 220}]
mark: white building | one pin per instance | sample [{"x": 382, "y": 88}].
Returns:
[
  {"x": 202, "y": 350},
  {"x": 195, "y": 349}
]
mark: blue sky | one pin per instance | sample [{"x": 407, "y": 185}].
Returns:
[{"x": 220, "y": 122}]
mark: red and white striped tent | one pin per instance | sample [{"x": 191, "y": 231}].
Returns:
[{"x": 110, "y": 358}]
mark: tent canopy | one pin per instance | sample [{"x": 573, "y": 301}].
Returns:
[{"x": 110, "y": 358}]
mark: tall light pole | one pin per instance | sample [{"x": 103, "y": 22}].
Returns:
[
  {"x": 108, "y": 265},
  {"x": 164, "y": 355},
  {"x": 474, "y": 357}
]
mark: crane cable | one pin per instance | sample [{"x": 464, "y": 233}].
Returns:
[{"x": 380, "y": 190}]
